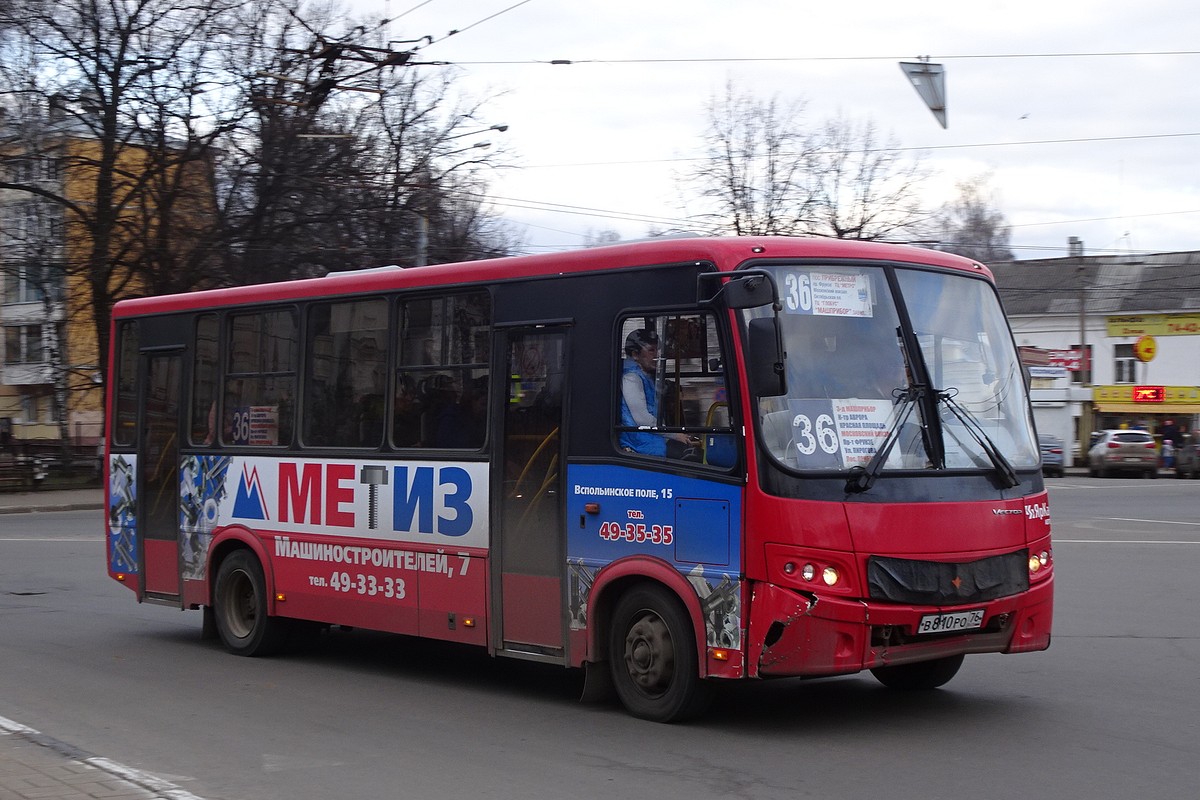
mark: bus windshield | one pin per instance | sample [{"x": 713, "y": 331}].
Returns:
[{"x": 866, "y": 392}]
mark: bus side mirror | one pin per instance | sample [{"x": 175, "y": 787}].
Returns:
[
  {"x": 764, "y": 359},
  {"x": 750, "y": 291}
]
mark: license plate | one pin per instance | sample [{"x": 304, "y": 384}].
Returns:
[{"x": 948, "y": 623}]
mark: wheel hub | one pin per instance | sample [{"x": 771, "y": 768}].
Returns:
[{"x": 649, "y": 654}]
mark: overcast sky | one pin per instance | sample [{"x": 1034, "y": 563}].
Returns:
[{"x": 1085, "y": 112}]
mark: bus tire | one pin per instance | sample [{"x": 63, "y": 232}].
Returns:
[
  {"x": 652, "y": 654},
  {"x": 921, "y": 675},
  {"x": 240, "y": 608}
]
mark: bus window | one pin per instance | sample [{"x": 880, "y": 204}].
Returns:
[
  {"x": 346, "y": 374},
  {"x": 203, "y": 429},
  {"x": 443, "y": 348},
  {"x": 125, "y": 408},
  {"x": 970, "y": 356},
  {"x": 672, "y": 400},
  {"x": 260, "y": 382}
]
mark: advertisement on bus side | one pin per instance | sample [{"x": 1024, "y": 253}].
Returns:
[{"x": 694, "y": 525}]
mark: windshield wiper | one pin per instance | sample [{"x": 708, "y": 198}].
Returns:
[
  {"x": 863, "y": 478},
  {"x": 1008, "y": 475}
]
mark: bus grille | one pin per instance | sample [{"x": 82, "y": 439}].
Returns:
[{"x": 939, "y": 583}]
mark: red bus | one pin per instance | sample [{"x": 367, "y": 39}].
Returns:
[{"x": 667, "y": 463}]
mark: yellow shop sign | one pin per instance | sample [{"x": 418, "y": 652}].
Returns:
[{"x": 1154, "y": 325}]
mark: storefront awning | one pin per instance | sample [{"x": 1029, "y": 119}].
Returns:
[{"x": 1146, "y": 408}]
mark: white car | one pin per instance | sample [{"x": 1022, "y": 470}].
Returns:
[{"x": 1123, "y": 451}]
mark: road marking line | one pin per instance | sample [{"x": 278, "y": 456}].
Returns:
[
  {"x": 137, "y": 777},
  {"x": 143, "y": 779},
  {"x": 8, "y": 726},
  {"x": 50, "y": 539},
  {"x": 1151, "y": 521},
  {"x": 1122, "y": 541}
]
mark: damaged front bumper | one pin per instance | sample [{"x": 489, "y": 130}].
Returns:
[{"x": 802, "y": 634}]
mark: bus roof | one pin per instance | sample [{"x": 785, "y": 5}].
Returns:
[{"x": 727, "y": 253}]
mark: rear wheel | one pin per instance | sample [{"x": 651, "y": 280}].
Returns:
[
  {"x": 240, "y": 608},
  {"x": 919, "y": 676},
  {"x": 652, "y": 654}
]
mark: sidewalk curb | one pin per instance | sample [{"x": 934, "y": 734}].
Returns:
[
  {"x": 46, "y": 508},
  {"x": 53, "y": 498},
  {"x": 121, "y": 781}
]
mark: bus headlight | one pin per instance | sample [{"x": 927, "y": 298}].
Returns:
[{"x": 811, "y": 570}]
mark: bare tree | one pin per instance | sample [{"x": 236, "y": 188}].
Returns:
[
  {"x": 464, "y": 228},
  {"x": 219, "y": 142},
  {"x": 601, "y": 238},
  {"x": 864, "y": 187},
  {"x": 86, "y": 84},
  {"x": 753, "y": 174},
  {"x": 766, "y": 172},
  {"x": 972, "y": 225},
  {"x": 349, "y": 151}
]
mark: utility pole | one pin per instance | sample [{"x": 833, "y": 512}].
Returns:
[{"x": 1075, "y": 250}]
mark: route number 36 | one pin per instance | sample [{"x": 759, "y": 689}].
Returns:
[
  {"x": 797, "y": 292},
  {"x": 808, "y": 436}
]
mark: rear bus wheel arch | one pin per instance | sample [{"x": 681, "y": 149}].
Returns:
[{"x": 241, "y": 607}]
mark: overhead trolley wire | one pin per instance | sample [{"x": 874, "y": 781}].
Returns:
[{"x": 794, "y": 59}]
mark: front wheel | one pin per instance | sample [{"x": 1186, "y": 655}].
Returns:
[
  {"x": 240, "y": 608},
  {"x": 921, "y": 675},
  {"x": 652, "y": 654}
]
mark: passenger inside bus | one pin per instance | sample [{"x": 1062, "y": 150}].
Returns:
[{"x": 640, "y": 401}]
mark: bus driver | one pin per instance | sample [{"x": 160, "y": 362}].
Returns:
[{"x": 639, "y": 397}]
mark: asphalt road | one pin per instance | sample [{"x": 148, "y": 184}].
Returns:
[{"x": 1109, "y": 711}]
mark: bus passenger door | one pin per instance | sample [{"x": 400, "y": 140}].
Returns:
[
  {"x": 530, "y": 539},
  {"x": 158, "y": 465}
]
